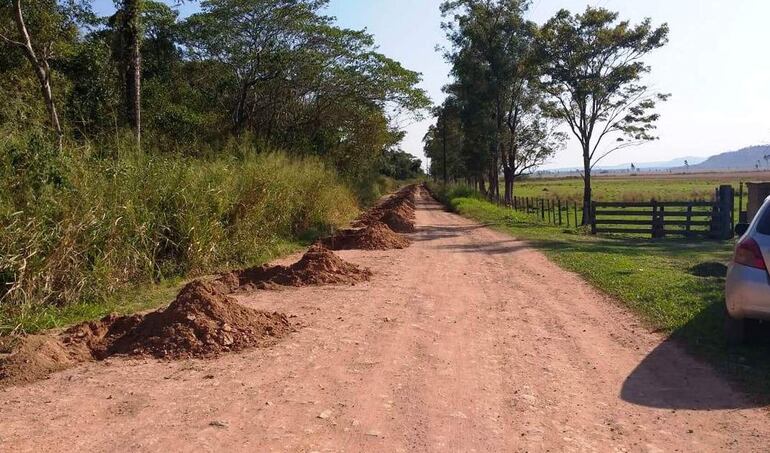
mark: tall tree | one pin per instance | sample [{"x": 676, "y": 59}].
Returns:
[
  {"x": 592, "y": 67},
  {"x": 443, "y": 142},
  {"x": 52, "y": 28},
  {"x": 129, "y": 55},
  {"x": 495, "y": 69}
]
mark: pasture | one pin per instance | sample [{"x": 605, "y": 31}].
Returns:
[{"x": 637, "y": 187}]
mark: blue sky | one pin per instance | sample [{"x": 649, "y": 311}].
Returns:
[{"x": 715, "y": 66}]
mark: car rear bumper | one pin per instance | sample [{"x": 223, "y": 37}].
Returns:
[{"x": 747, "y": 292}]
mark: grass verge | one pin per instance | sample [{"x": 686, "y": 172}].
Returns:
[
  {"x": 78, "y": 230},
  {"x": 676, "y": 286}
]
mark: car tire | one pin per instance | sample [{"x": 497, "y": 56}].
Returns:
[{"x": 735, "y": 329}]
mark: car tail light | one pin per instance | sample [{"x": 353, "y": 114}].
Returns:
[{"x": 749, "y": 254}]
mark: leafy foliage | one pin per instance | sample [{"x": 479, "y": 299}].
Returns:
[{"x": 592, "y": 66}]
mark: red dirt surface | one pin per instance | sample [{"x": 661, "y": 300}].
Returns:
[
  {"x": 35, "y": 357},
  {"x": 374, "y": 236},
  {"x": 318, "y": 266},
  {"x": 469, "y": 340}
]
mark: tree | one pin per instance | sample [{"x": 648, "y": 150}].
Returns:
[
  {"x": 292, "y": 78},
  {"x": 443, "y": 142},
  {"x": 42, "y": 38},
  {"x": 127, "y": 21},
  {"x": 592, "y": 69},
  {"x": 496, "y": 69},
  {"x": 401, "y": 165},
  {"x": 255, "y": 39}
]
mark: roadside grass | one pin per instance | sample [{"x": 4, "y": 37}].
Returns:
[
  {"x": 33, "y": 318},
  {"x": 81, "y": 227},
  {"x": 676, "y": 286}
]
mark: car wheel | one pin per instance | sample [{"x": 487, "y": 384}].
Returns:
[{"x": 735, "y": 329}]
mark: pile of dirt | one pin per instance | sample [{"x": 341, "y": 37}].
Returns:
[
  {"x": 35, "y": 357},
  {"x": 318, "y": 266},
  {"x": 201, "y": 322},
  {"x": 398, "y": 222},
  {"x": 374, "y": 236},
  {"x": 396, "y": 211}
]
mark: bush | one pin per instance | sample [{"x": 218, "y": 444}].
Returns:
[
  {"x": 446, "y": 193},
  {"x": 74, "y": 230}
]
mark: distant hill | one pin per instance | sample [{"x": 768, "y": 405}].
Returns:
[
  {"x": 678, "y": 162},
  {"x": 743, "y": 159},
  {"x": 673, "y": 163}
]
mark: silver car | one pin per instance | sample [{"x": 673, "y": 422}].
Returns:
[{"x": 747, "y": 288}]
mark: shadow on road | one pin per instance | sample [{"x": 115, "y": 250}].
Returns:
[{"x": 669, "y": 378}]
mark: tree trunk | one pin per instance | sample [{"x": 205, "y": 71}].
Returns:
[
  {"x": 240, "y": 109},
  {"x": 133, "y": 67},
  {"x": 443, "y": 136},
  {"x": 586, "y": 187},
  {"x": 42, "y": 70},
  {"x": 508, "y": 175}
]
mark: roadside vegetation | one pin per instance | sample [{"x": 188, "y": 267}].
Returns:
[
  {"x": 143, "y": 148},
  {"x": 518, "y": 85},
  {"x": 675, "y": 285},
  {"x": 79, "y": 230}
]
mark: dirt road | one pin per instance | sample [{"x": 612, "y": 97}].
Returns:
[{"x": 466, "y": 341}]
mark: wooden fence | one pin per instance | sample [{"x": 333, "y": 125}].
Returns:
[
  {"x": 713, "y": 219},
  {"x": 556, "y": 212},
  {"x": 691, "y": 219}
]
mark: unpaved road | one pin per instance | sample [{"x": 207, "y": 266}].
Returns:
[{"x": 466, "y": 341}]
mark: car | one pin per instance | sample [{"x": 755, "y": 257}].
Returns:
[{"x": 747, "y": 286}]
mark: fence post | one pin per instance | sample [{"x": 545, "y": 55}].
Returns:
[
  {"x": 742, "y": 217},
  {"x": 655, "y": 224},
  {"x": 662, "y": 221},
  {"x": 567, "y": 213},
  {"x": 592, "y": 217},
  {"x": 689, "y": 219},
  {"x": 542, "y": 209},
  {"x": 558, "y": 200},
  {"x": 575, "y": 206},
  {"x": 548, "y": 208},
  {"x": 726, "y": 204}
]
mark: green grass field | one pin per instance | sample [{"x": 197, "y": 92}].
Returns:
[
  {"x": 676, "y": 286},
  {"x": 644, "y": 187}
]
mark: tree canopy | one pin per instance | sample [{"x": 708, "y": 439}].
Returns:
[
  {"x": 517, "y": 86},
  {"x": 278, "y": 73}
]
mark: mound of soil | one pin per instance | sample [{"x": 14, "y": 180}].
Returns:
[
  {"x": 374, "y": 236},
  {"x": 318, "y": 266},
  {"x": 396, "y": 211},
  {"x": 35, "y": 357},
  {"x": 398, "y": 222},
  {"x": 201, "y": 322}
]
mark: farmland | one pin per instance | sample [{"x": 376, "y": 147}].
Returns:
[{"x": 642, "y": 187}]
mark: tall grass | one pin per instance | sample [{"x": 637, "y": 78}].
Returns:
[{"x": 76, "y": 228}]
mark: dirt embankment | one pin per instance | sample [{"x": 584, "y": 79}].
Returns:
[
  {"x": 318, "y": 266},
  {"x": 203, "y": 320},
  {"x": 379, "y": 227}
]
